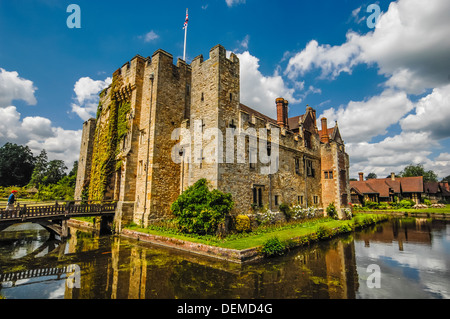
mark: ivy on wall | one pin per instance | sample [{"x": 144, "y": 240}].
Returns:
[{"x": 108, "y": 135}]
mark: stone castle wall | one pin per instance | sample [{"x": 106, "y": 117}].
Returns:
[{"x": 154, "y": 164}]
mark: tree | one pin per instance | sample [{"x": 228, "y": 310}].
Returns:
[
  {"x": 16, "y": 165},
  {"x": 40, "y": 169},
  {"x": 371, "y": 176},
  {"x": 74, "y": 170},
  {"x": 418, "y": 170},
  {"x": 56, "y": 170},
  {"x": 446, "y": 179}
]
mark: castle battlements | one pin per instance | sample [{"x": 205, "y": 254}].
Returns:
[{"x": 132, "y": 152}]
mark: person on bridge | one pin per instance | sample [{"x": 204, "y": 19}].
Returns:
[{"x": 11, "y": 200}]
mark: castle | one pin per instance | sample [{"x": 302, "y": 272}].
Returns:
[{"x": 143, "y": 149}]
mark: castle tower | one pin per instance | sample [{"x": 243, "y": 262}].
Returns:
[
  {"x": 334, "y": 169},
  {"x": 84, "y": 162},
  {"x": 214, "y": 108}
]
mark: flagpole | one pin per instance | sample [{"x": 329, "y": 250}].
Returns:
[{"x": 185, "y": 36}]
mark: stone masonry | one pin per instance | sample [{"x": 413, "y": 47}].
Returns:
[{"x": 182, "y": 116}]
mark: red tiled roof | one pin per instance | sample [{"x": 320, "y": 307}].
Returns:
[
  {"x": 431, "y": 187},
  {"x": 330, "y": 132},
  {"x": 412, "y": 184},
  {"x": 394, "y": 185},
  {"x": 384, "y": 186},
  {"x": 293, "y": 122},
  {"x": 362, "y": 187}
]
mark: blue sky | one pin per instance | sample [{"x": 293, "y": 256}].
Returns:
[{"x": 388, "y": 87}]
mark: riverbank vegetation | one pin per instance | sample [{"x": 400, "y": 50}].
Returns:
[{"x": 289, "y": 234}]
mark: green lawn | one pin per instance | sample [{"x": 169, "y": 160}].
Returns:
[
  {"x": 445, "y": 210},
  {"x": 258, "y": 237}
]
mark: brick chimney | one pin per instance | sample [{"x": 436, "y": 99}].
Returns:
[
  {"x": 393, "y": 176},
  {"x": 282, "y": 112},
  {"x": 325, "y": 138},
  {"x": 361, "y": 177}
]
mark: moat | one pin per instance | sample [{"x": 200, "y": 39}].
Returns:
[{"x": 413, "y": 256}]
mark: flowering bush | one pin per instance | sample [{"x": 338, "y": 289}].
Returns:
[
  {"x": 266, "y": 217},
  {"x": 298, "y": 212}
]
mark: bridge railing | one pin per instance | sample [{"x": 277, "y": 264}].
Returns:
[{"x": 70, "y": 209}]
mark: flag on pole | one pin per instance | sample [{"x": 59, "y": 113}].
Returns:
[
  {"x": 187, "y": 20},
  {"x": 185, "y": 34}
]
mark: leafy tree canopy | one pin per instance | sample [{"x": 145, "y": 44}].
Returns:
[
  {"x": 16, "y": 165},
  {"x": 371, "y": 176},
  {"x": 418, "y": 170}
]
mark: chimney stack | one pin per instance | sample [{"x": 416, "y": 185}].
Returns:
[
  {"x": 361, "y": 177},
  {"x": 325, "y": 138},
  {"x": 282, "y": 112},
  {"x": 393, "y": 176}
]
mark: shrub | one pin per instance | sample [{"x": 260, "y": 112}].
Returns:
[
  {"x": 427, "y": 202},
  {"x": 332, "y": 212},
  {"x": 371, "y": 205},
  {"x": 199, "y": 210},
  {"x": 406, "y": 203},
  {"x": 284, "y": 208},
  {"x": 242, "y": 224},
  {"x": 273, "y": 247},
  {"x": 324, "y": 232},
  {"x": 345, "y": 229}
]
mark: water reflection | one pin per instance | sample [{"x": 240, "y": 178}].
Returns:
[{"x": 413, "y": 256}]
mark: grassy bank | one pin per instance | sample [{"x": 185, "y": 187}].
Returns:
[
  {"x": 292, "y": 234},
  {"x": 430, "y": 210}
]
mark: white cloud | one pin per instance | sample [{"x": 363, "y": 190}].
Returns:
[
  {"x": 332, "y": 60},
  {"x": 409, "y": 46},
  {"x": 362, "y": 120},
  {"x": 259, "y": 91},
  {"x": 63, "y": 145},
  {"x": 432, "y": 114},
  {"x": 34, "y": 131},
  {"x": 13, "y": 87},
  {"x": 149, "y": 36},
  {"x": 231, "y": 3},
  {"x": 87, "y": 90},
  {"x": 391, "y": 154}
]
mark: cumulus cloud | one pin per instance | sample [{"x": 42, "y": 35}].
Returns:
[
  {"x": 391, "y": 154},
  {"x": 87, "y": 90},
  {"x": 259, "y": 91},
  {"x": 432, "y": 114},
  {"x": 63, "y": 145},
  {"x": 34, "y": 131},
  {"x": 362, "y": 120},
  {"x": 332, "y": 60},
  {"x": 409, "y": 46},
  {"x": 13, "y": 87}
]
